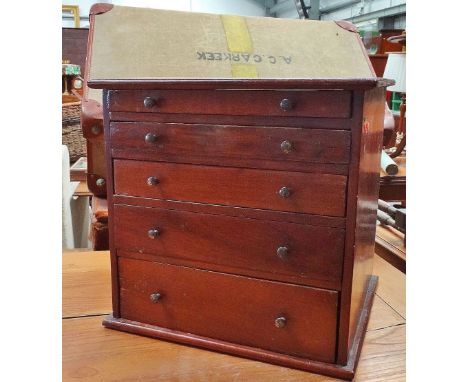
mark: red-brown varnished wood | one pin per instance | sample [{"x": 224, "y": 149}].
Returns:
[
  {"x": 99, "y": 8},
  {"x": 243, "y": 83},
  {"x": 196, "y": 302},
  {"x": 344, "y": 311},
  {"x": 235, "y": 245},
  {"x": 240, "y": 120},
  {"x": 322, "y": 103},
  {"x": 367, "y": 195},
  {"x": 250, "y": 213},
  {"x": 181, "y": 141},
  {"x": 361, "y": 212},
  {"x": 318, "y": 168},
  {"x": 309, "y": 193},
  {"x": 390, "y": 245},
  {"x": 92, "y": 129},
  {"x": 110, "y": 191}
]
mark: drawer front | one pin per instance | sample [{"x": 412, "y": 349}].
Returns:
[
  {"x": 321, "y": 103},
  {"x": 321, "y": 194},
  {"x": 275, "y": 250},
  {"x": 166, "y": 141},
  {"x": 284, "y": 318}
]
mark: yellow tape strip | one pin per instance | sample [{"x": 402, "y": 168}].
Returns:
[
  {"x": 244, "y": 71},
  {"x": 237, "y": 34},
  {"x": 238, "y": 41}
]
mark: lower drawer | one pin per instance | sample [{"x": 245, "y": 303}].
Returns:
[
  {"x": 280, "y": 251},
  {"x": 283, "y": 318}
]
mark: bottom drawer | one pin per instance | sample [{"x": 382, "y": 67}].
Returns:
[{"x": 279, "y": 317}]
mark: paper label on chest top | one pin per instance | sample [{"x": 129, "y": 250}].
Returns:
[{"x": 140, "y": 43}]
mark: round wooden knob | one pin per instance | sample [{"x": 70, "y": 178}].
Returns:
[
  {"x": 286, "y": 104},
  {"x": 153, "y": 233},
  {"x": 286, "y": 146},
  {"x": 100, "y": 182},
  {"x": 282, "y": 252},
  {"x": 280, "y": 322},
  {"x": 284, "y": 192},
  {"x": 152, "y": 181},
  {"x": 150, "y": 138},
  {"x": 149, "y": 102},
  {"x": 96, "y": 129},
  {"x": 155, "y": 297}
]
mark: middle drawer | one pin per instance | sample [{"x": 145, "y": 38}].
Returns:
[
  {"x": 282, "y": 251},
  {"x": 321, "y": 194}
]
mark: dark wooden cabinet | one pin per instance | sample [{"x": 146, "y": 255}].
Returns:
[
  {"x": 242, "y": 213},
  {"x": 74, "y": 42},
  {"x": 229, "y": 247}
]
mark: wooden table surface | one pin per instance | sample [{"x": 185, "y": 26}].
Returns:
[
  {"x": 93, "y": 353},
  {"x": 390, "y": 245},
  {"x": 393, "y": 187},
  {"x": 82, "y": 189}
]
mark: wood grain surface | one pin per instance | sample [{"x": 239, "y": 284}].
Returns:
[
  {"x": 86, "y": 284},
  {"x": 322, "y": 194},
  {"x": 324, "y": 103},
  {"x": 241, "y": 246},
  {"x": 220, "y": 141},
  {"x": 93, "y": 353},
  {"x": 237, "y": 120},
  {"x": 197, "y": 302},
  {"x": 82, "y": 189},
  {"x": 390, "y": 245},
  {"x": 361, "y": 211},
  {"x": 393, "y": 187},
  {"x": 392, "y": 285}
]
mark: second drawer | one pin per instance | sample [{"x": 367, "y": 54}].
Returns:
[
  {"x": 274, "y": 250},
  {"x": 166, "y": 141}
]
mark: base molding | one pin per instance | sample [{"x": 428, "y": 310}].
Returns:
[{"x": 333, "y": 370}]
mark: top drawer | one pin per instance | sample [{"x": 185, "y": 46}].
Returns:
[{"x": 320, "y": 103}]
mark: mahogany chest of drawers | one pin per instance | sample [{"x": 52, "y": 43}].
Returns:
[
  {"x": 242, "y": 214},
  {"x": 243, "y": 220}
]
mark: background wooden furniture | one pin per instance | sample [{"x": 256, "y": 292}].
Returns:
[
  {"x": 74, "y": 43},
  {"x": 389, "y": 242},
  {"x": 389, "y": 45},
  {"x": 378, "y": 62},
  {"x": 379, "y": 59},
  {"x": 390, "y": 245},
  {"x": 99, "y": 230},
  {"x": 92, "y": 353},
  {"x": 82, "y": 189},
  {"x": 393, "y": 187}
]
